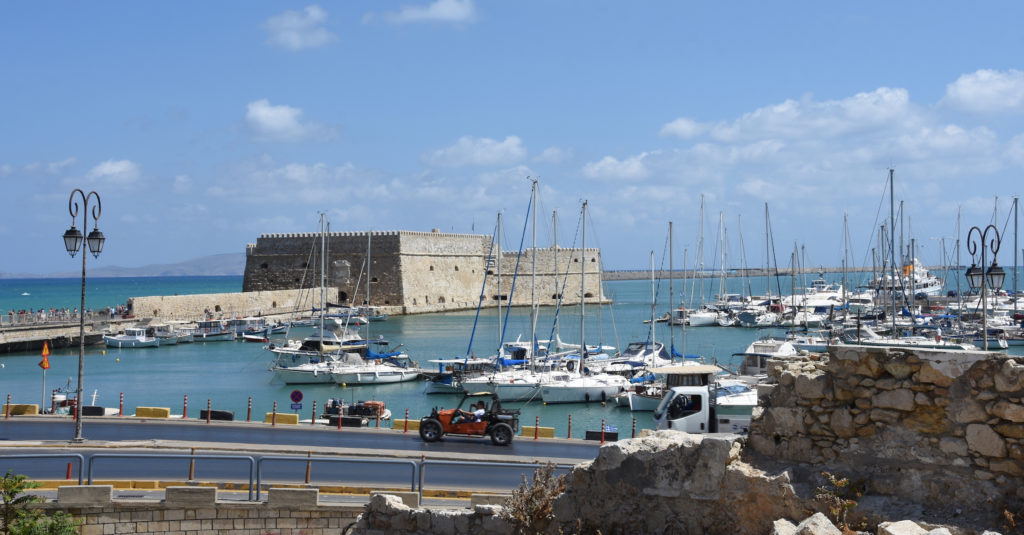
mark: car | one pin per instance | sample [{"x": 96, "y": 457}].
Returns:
[{"x": 499, "y": 424}]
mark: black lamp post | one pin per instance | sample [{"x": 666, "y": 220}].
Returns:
[
  {"x": 73, "y": 242},
  {"x": 978, "y": 277}
]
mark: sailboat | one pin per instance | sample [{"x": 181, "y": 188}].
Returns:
[
  {"x": 576, "y": 386},
  {"x": 521, "y": 383}
]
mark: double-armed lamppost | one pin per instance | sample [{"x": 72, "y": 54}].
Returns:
[
  {"x": 73, "y": 242},
  {"x": 979, "y": 277}
]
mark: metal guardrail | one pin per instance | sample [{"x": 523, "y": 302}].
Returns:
[
  {"x": 79, "y": 456},
  {"x": 418, "y": 468},
  {"x": 252, "y": 462},
  {"x": 423, "y": 467},
  {"x": 259, "y": 466}
]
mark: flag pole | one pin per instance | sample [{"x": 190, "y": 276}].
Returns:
[{"x": 45, "y": 365}]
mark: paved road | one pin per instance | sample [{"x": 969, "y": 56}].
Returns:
[
  {"x": 303, "y": 437},
  {"x": 372, "y": 458}
]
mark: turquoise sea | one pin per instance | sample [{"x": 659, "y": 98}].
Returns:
[{"x": 229, "y": 373}]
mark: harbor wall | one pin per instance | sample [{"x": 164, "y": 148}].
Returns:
[
  {"x": 227, "y": 305},
  {"x": 918, "y": 425},
  {"x": 416, "y": 272}
]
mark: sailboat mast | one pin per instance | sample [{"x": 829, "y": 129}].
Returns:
[
  {"x": 671, "y": 296},
  {"x": 554, "y": 232},
  {"x": 500, "y": 254},
  {"x": 533, "y": 280},
  {"x": 1015, "y": 249},
  {"x": 651, "y": 335},
  {"x": 892, "y": 249},
  {"x": 368, "y": 237},
  {"x": 323, "y": 276},
  {"x": 583, "y": 286}
]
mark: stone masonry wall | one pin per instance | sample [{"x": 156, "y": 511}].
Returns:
[
  {"x": 917, "y": 425},
  {"x": 226, "y": 305},
  {"x": 196, "y": 510},
  {"x": 413, "y": 272}
]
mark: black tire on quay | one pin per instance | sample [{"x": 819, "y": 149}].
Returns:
[{"x": 431, "y": 430}]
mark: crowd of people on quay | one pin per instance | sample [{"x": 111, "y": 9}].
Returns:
[{"x": 62, "y": 315}]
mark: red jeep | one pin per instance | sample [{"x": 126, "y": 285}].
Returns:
[{"x": 500, "y": 424}]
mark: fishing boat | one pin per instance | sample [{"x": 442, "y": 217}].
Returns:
[
  {"x": 131, "y": 338},
  {"x": 452, "y": 372},
  {"x": 212, "y": 331}
]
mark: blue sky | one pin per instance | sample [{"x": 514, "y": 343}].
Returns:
[{"x": 203, "y": 125}]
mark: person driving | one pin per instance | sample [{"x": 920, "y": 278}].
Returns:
[{"x": 477, "y": 414}]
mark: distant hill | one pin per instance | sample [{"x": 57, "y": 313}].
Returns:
[{"x": 219, "y": 264}]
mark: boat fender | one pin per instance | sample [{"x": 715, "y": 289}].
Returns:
[
  {"x": 271, "y": 346},
  {"x": 586, "y": 397},
  {"x": 604, "y": 397}
]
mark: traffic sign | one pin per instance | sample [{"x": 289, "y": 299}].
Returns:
[
  {"x": 296, "y": 406},
  {"x": 296, "y": 396}
]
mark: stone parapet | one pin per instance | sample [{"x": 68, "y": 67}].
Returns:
[
  {"x": 199, "y": 513},
  {"x": 919, "y": 425}
]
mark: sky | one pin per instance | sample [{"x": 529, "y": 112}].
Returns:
[{"x": 202, "y": 125}]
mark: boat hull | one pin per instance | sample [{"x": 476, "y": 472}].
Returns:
[
  {"x": 129, "y": 343},
  {"x": 578, "y": 393}
]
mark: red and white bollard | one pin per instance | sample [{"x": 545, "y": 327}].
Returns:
[
  {"x": 184, "y": 409},
  {"x": 209, "y": 405},
  {"x": 120, "y": 406},
  {"x": 536, "y": 428},
  {"x": 248, "y": 412},
  {"x": 406, "y": 424},
  {"x": 602, "y": 430},
  {"x": 273, "y": 416}
]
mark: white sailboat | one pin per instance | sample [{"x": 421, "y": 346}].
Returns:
[{"x": 576, "y": 386}]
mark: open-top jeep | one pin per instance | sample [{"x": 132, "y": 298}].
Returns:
[{"x": 499, "y": 424}]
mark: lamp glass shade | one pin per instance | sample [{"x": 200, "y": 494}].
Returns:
[
  {"x": 996, "y": 276},
  {"x": 96, "y": 240},
  {"x": 72, "y": 240},
  {"x": 974, "y": 276}
]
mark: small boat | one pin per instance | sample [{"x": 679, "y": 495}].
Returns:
[
  {"x": 212, "y": 331},
  {"x": 260, "y": 338},
  {"x": 131, "y": 338},
  {"x": 452, "y": 372}
]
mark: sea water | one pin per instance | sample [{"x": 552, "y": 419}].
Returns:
[{"x": 227, "y": 374}]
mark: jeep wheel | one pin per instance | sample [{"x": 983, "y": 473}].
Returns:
[
  {"x": 501, "y": 434},
  {"x": 431, "y": 430}
]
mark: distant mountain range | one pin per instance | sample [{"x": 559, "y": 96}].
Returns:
[{"x": 218, "y": 264}]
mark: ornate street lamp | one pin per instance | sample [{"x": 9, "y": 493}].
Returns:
[
  {"x": 977, "y": 277},
  {"x": 73, "y": 242}
]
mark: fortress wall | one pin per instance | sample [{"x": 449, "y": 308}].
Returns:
[
  {"x": 224, "y": 305},
  {"x": 415, "y": 272}
]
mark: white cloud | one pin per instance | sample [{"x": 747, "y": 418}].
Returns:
[
  {"x": 555, "y": 155},
  {"x": 684, "y": 128},
  {"x": 438, "y": 11},
  {"x": 119, "y": 172},
  {"x": 987, "y": 90},
  {"x": 478, "y": 151},
  {"x": 55, "y": 168},
  {"x": 296, "y": 30},
  {"x": 609, "y": 168},
  {"x": 809, "y": 119},
  {"x": 6, "y": 169},
  {"x": 1015, "y": 150},
  {"x": 182, "y": 184},
  {"x": 281, "y": 123}
]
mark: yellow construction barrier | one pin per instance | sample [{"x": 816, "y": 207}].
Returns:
[
  {"x": 542, "y": 432},
  {"x": 286, "y": 418},
  {"x": 414, "y": 425},
  {"x": 20, "y": 408},
  {"x": 152, "y": 412}
]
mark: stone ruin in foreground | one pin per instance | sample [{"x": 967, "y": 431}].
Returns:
[{"x": 928, "y": 435}]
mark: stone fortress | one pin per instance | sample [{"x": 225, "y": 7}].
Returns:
[{"x": 417, "y": 272}]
